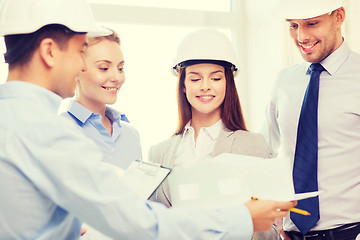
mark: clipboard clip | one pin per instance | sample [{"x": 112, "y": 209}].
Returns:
[{"x": 149, "y": 167}]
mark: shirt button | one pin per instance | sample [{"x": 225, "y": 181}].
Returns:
[{"x": 113, "y": 150}]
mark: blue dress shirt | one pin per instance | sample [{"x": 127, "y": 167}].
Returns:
[
  {"x": 120, "y": 148},
  {"x": 51, "y": 175}
]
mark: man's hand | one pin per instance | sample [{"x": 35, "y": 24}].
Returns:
[{"x": 264, "y": 212}]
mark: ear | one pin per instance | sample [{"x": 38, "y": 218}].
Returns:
[
  {"x": 47, "y": 50},
  {"x": 340, "y": 15}
]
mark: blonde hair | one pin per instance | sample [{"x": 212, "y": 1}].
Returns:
[{"x": 114, "y": 37}]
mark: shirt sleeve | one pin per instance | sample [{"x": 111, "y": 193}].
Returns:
[
  {"x": 66, "y": 167},
  {"x": 270, "y": 130}
]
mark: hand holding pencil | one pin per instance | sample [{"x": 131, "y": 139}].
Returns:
[
  {"x": 295, "y": 210},
  {"x": 264, "y": 212}
]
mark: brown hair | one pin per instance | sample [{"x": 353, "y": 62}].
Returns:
[
  {"x": 231, "y": 113},
  {"x": 21, "y": 47}
]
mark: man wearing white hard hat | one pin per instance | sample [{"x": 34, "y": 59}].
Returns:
[
  {"x": 314, "y": 116},
  {"x": 51, "y": 175}
]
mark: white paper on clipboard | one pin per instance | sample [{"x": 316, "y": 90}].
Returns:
[{"x": 145, "y": 177}]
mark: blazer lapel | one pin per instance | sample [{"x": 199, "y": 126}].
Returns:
[
  {"x": 169, "y": 162},
  {"x": 224, "y": 142}
]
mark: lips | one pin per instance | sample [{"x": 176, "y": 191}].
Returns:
[
  {"x": 112, "y": 90},
  {"x": 205, "y": 98},
  {"x": 307, "y": 48}
]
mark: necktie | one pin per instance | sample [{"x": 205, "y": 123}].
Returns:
[{"x": 306, "y": 153}]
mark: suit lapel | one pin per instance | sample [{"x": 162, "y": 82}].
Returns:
[
  {"x": 224, "y": 142},
  {"x": 169, "y": 162}
]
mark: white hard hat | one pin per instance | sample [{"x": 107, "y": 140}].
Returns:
[
  {"x": 304, "y": 9},
  {"x": 27, "y": 16},
  {"x": 205, "y": 46}
]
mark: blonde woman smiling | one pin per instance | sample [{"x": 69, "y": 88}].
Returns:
[{"x": 98, "y": 85}]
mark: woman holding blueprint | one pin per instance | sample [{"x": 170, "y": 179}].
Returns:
[{"x": 210, "y": 116}]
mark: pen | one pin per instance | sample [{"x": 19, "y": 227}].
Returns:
[{"x": 295, "y": 210}]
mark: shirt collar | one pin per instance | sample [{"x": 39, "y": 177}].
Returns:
[
  {"x": 334, "y": 61},
  {"x": 42, "y": 96},
  {"x": 213, "y": 130},
  {"x": 114, "y": 115},
  {"x": 79, "y": 111},
  {"x": 83, "y": 114}
]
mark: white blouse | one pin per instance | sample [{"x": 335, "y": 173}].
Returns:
[{"x": 191, "y": 152}]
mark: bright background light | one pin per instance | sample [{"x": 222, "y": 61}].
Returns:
[{"x": 151, "y": 30}]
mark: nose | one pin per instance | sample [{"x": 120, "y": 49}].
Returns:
[
  {"x": 302, "y": 35},
  {"x": 205, "y": 85},
  {"x": 118, "y": 76}
]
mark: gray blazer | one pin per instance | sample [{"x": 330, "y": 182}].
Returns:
[{"x": 240, "y": 142}]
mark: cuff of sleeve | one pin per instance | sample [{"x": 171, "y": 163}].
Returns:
[
  {"x": 241, "y": 227},
  {"x": 227, "y": 223}
]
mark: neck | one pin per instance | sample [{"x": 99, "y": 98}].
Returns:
[
  {"x": 200, "y": 120},
  {"x": 29, "y": 74}
]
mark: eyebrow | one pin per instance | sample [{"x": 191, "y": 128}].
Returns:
[
  {"x": 107, "y": 61},
  {"x": 307, "y": 19},
  {"x": 217, "y": 71}
]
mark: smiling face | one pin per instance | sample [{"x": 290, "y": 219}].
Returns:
[
  {"x": 104, "y": 75},
  {"x": 69, "y": 63},
  {"x": 205, "y": 86},
  {"x": 317, "y": 37}
]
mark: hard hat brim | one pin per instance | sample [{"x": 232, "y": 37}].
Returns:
[{"x": 188, "y": 63}]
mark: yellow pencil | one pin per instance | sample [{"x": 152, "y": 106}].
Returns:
[
  {"x": 300, "y": 211},
  {"x": 295, "y": 210}
]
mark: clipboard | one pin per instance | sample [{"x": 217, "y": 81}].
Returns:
[{"x": 145, "y": 177}]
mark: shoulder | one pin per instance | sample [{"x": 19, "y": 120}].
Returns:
[
  {"x": 354, "y": 59},
  {"x": 247, "y": 137},
  {"x": 292, "y": 73},
  {"x": 248, "y": 143},
  {"x": 165, "y": 144},
  {"x": 157, "y": 151}
]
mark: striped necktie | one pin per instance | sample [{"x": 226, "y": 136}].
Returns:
[{"x": 305, "y": 169}]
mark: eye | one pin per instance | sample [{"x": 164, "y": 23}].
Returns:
[
  {"x": 216, "y": 79},
  {"x": 293, "y": 26},
  {"x": 312, "y": 23},
  {"x": 103, "y": 67},
  {"x": 195, "y": 79},
  {"x": 121, "y": 69}
]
